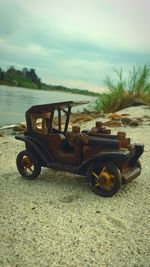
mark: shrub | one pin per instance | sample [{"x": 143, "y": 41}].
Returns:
[{"x": 123, "y": 93}]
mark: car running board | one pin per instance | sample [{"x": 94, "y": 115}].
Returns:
[{"x": 64, "y": 167}]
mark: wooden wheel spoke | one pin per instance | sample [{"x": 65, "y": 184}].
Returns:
[
  {"x": 108, "y": 185},
  {"x": 104, "y": 169},
  {"x": 96, "y": 176},
  {"x": 97, "y": 184},
  {"x": 112, "y": 176}
]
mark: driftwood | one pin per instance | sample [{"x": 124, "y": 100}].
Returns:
[
  {"x": 129, "y": 102},
  {"x": 138, "y": 101}
]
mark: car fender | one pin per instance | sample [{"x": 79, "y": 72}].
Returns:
[
  {"x": 37, "y": 148},
  {"x": 118, "y": 157}
]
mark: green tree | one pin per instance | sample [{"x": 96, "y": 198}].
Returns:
[
  {"x": 31, "y": 74},
  {"x": 2, "y": 73},
  {"x": 10, "y": 74}
]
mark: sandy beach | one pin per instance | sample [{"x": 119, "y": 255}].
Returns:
[{"x": 57, "y": 221}]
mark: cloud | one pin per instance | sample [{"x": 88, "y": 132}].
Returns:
[{"x": 77, "y": 42}]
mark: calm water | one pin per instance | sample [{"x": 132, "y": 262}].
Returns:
[{"x": 15, "y": 101}]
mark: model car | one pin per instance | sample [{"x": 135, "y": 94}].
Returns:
[{"x": 107, "y": 160}]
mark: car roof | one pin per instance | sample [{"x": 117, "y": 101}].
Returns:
[{"x": 52, "y": 106}]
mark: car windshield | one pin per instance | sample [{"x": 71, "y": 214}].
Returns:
[
  {"x": 59, "y": 120},
  {"x": 46, "y": 122}
]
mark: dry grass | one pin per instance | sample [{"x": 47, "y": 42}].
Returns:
[{"x": 123, "y": 93}]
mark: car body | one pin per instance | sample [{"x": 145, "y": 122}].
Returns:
[{"x": 107, "y": 160}]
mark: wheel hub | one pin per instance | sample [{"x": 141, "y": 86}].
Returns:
[
  {"x": 104, "y": 178},
  {"x": 27, "y": 163}
]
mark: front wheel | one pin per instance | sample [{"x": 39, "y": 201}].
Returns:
[
  {"x": 104, "y": 178},
  {"x": 28, "y": 166}
]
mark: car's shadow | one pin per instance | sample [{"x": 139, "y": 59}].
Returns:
[{"x": 59, "y": 177}]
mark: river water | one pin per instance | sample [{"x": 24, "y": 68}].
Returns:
[{"x": 15, "y": 101}]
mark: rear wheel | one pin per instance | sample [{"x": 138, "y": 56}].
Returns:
[
  {"x": 104, "y": 178},
  {"x": 28, "y": 166}
]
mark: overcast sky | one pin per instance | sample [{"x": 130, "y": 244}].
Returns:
[{"x": 74, "y": 42}]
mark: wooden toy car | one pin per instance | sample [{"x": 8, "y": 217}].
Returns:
[{"x": 107, "y": 160}]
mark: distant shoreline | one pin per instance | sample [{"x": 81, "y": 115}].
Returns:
[
  {"x": 27, "y": 78},
  {"x": 58, "y": 88}
]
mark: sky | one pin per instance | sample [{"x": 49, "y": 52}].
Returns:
[{"x": 75, "y": 43}]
